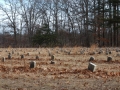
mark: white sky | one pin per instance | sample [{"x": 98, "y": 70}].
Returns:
[
  {"x": 1, "y": 1},
  {"x": 2, "y": 15},
  {"x": 1, "y": 12}
]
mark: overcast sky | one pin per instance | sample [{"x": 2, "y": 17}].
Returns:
[
  {"x": 1, "y": 1},
  {"x": 1, "y": 12},
  {"x": 1, "y": 15}
]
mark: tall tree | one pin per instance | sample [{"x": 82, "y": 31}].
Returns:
[
  {"x": 11, "y": 12},
  {"x": 31, "y": 12}
]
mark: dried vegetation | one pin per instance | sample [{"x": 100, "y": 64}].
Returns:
[{"x": 69, "y": 71}]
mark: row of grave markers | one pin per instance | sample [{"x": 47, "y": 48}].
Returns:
[
  {"x": 91, "y": 66},
  {"x": 68, "y": 51}
]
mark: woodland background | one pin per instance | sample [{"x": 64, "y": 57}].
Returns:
[{"x": 33, "y": 23}]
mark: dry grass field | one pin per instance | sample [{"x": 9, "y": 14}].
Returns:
[{"x": 69, "y": 71}]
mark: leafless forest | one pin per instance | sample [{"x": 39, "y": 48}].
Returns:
[
  {"x": 73, "y": 22},
  {"x": 59, "y": 44}
]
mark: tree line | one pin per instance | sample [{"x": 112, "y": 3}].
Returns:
[{"x": 28, "y": 23}]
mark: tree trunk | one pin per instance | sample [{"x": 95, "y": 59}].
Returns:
[{"x": 114, "y": 23}]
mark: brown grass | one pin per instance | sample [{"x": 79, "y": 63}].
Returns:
[
  {"x": 93, "y": 47},
  {"x": 69, "y": 71}
]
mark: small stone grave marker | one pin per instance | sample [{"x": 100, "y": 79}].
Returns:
[
  {"x": 109, "y": 59},
  {"x": 68, "y": 52},
  {"x": 22, "y": 56},
  {"x": 52, "y": 60},
  {"x": 32, "y": 64},
  {"x": 100, "y": 52},
  {"x": 92, "y": 67},
  {"x": 118, "y": 55},
  {"x": 28, "y": 54},
  {"x": 37, "y": 57},
  {"x": 91, "y": 59},
  {"x": 3, "y": 59},
  {"x": 52, "y": 57},
  {"x": 9, "y": 56},
  {"x": 12, "y": 52}
]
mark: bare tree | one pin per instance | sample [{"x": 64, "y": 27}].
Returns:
[
  {"x": 31, "y": 11},
  {"x": 10, "y": 10},
  {"x": 75, "y": 22}
]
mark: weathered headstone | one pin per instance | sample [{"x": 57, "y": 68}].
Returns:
[
  {"x": 12, "y": 52},
  {"x": 32, "y": 64},
  {"x": 91, "y": 59},
  {"x": 109, "y": 59},
  {"x": 107, "y": 52},
  {"x": 9, "y": 53},
  {"x": 82, "y": 52},
  {"x": 38, "y": 52},
  {"x": 100, "y": 52},
  {"x": 37, "y": 57},
  {"x": 28, "y": 54},
  {"x": 69, "y": 53},
  {"x": 118, "y": 55},
  {"x": 3, "y": 59},
  {"x": 52, "y": 57},
  {"x": 92, "y": 67},
  {"x": 52, "y": 62},
  {"x": 117, "y": 50},
  {"x": 110, "y": 52},
  {"x": 9, "y": 56},
  {"x": 22, "y": 56}
]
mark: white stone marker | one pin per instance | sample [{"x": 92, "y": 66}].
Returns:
[
  {"x": 32, "y": 64},
  {"x": 92, "y": 67}
]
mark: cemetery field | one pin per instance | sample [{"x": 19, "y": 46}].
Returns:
[{"x": 59, "y": 68}]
